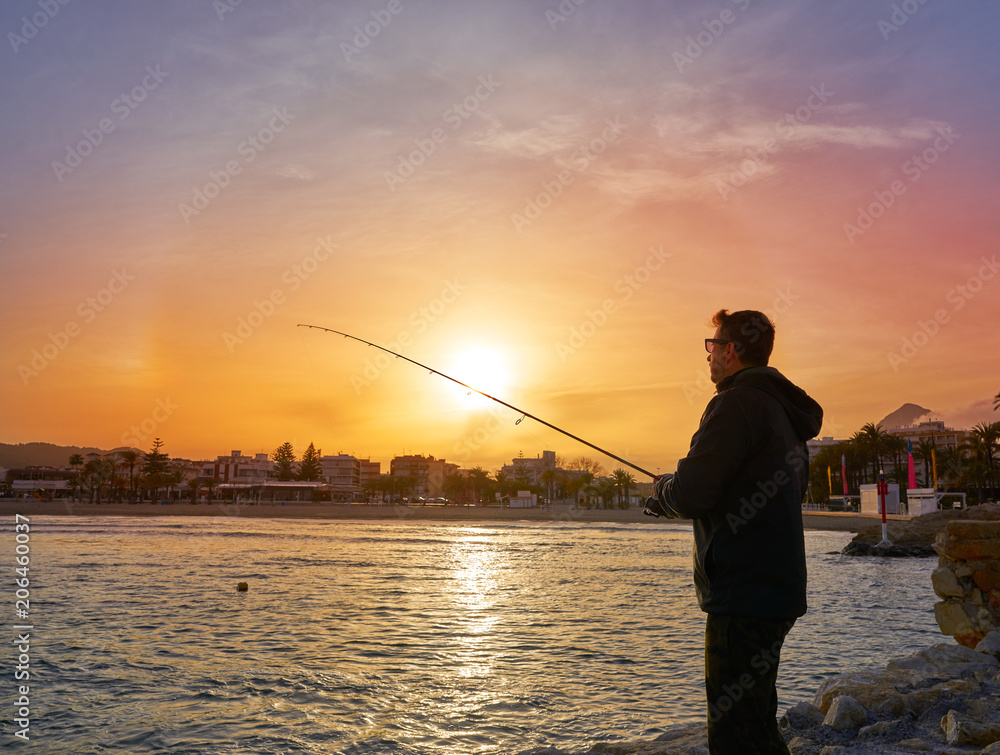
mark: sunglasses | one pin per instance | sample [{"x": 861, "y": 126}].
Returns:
[{"x": 710, "y": 343}]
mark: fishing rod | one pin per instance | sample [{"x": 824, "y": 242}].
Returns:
[{"x": 491, "y": 398}]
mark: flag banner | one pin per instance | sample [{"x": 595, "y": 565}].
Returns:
[{"x": 911, "y": 473}]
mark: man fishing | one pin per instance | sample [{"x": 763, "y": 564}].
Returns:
[{"x": 742, "y": 484}]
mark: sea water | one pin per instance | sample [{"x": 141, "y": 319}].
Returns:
[{"x": 396, "y": 636}]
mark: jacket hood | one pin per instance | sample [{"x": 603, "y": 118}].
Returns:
[{"x": 805, "y": 413}]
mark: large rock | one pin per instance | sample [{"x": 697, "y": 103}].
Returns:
[
  {"x": 944, "y": 659},
  {"x": 962, "y": 730},
  {"x": 953, "y": 619},
  {"x": 968, "y": 578},
  {"x": 990, "y": 644},
  {"x": 975, "y": 550},
  {"x": 801, "y": 716},
  {"x": 988, "y": 578},
  {"x": 846, "y": 714},
  {"x": 979, "y": 528},
  {"x": 913, "y": 685},
  {"x": 945, "y": 583}
]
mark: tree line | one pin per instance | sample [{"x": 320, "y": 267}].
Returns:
[
  {"x": 972, "y": 466},
  {"x": 132, "y": 475},
  {"x": 587, "y": 481}
]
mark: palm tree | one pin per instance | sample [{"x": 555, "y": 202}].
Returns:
[
  {"x": 210, "y": 487},
  {"x": 503, "y": 484},
  {"x": 951, "y": 462},
  {"x": 925, "y": 453},
  {"x": 624, "y": 482},
  {"x": 607, "y": 490},
  {"x": 75, "y": 483},
  {"x": 480, "y": 482},
  {"x": 97, "y": 471},
  {"x": 130, "y": 458},
  {"x": 454, "y": 487},
  {"x": 984, "y": 442},
  {"x": 896, "y": 446},
  {"x": 872, "y": 437},
  {"x": 194, "y": 486}
]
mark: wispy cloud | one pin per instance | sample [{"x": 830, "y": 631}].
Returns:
[{"x": 553, "y": 135}]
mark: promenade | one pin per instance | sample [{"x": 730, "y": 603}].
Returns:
[{"x": 817, "y": 520}]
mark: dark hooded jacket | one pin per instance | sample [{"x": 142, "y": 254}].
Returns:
[{"x": 742, "y": 484}]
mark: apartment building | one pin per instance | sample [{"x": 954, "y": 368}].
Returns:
[
  {"x": 238, "y": 468},
  {"x": 342, "y": 472},
  {"x": 427, "y": 473}
]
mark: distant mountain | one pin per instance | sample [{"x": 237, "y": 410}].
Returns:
[
  {"x": 904, "y": 416},
  {"x": 17, "y": 455}
]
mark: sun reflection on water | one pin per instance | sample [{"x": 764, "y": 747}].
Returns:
[{"x": 476, "y": 563}]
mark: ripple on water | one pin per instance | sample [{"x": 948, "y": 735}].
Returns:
[{"x": 402, "y": 637}]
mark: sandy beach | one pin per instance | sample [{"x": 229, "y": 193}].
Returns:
[{"x": 817, "y": 520}]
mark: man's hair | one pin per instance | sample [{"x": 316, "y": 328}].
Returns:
[{"x": 751, "y": 332}]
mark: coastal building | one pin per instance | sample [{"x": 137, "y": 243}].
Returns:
[
  {"x": 524, "y": 499},
  {"x": 818, "y": 444},
  {"x": 41, "y": 482},
  {"x": 934, "y": 431},
  {"x": 342, "y": 473},
  {"x": 530, "y": 471},
  {"x": 370, "y": 471},
  {"x": 426, "y": 473},
  {"x": 943, "y": 438},
  {"x": 238, "y": 468},
  {"x": 190, "y": 470}
]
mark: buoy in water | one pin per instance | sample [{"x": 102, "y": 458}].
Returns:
[{"x": 242, "y": 587}]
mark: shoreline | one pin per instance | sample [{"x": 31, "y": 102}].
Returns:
[{"x": 811, "y": 520}]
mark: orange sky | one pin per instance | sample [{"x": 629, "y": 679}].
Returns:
[{"x": 489, "y": 177}]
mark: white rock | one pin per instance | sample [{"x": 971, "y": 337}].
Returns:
[
  {"x": 846, "y": 714},
  {"x": 943, "y": 659},
  {"x": 952, "y": 659}
]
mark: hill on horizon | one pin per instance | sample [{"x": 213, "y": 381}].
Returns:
[
  {"x": 15, "y": 455},
  {"x": 904, "y": 416}
]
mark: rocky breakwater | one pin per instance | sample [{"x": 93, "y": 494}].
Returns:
[
  {"x": 968, "y": 580},
  {"x": 916, "y": 537},
  {"x": 943, "y": 699}
]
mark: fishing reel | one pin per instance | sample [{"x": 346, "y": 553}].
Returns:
[{"x": 653, "y": 508}]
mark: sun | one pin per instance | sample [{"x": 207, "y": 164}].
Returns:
[{"x": 483, "y": 369}]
